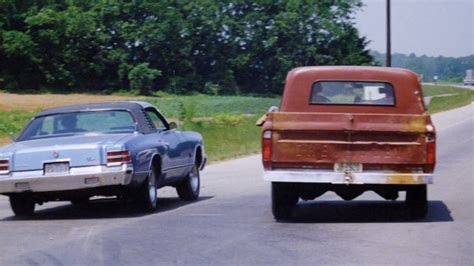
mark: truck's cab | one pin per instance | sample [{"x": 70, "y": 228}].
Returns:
[{"x": 349, "y": 129}]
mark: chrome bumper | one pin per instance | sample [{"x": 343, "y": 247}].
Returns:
[
  {"x": 77, "y": 178},
  {"x": 324, "y": 176}
]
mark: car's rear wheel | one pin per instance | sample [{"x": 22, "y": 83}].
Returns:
[
  {"x": 284, "y": 199},
  {"x": 189, "y": 189},
  {"x": 417, "y": 201},
  {"x": 22, "y": 205},
  {"x": 147, "y": 197}
]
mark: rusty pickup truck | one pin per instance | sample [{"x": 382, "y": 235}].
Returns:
[{"x": 349, "y": 129}]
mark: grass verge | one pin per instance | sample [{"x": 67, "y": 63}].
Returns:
[
  {"x": 223, "y": 140},
  {"x": 433, "y": 90},
  {"x": 444, "y": 103}
]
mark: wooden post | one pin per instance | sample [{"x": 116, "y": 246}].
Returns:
[{"x": 388, "y": 58}]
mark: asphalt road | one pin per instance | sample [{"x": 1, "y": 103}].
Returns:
[{"x": 232, "y": 223}]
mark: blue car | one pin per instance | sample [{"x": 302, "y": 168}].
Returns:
[{"x": 123, "y": 149}]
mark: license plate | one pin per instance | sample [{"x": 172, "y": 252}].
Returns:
[
  {"x": 56, "y": 168},
  {"x": 348, "y": 167}
]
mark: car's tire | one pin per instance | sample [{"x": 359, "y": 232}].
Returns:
[
  {"x": 417, "y": 201},
  {"x": 22, "y": 205},
  {"x": 82, "y": 201},
  {"x": 284, "y": 199},
  {"x": 147, "y": 194},
  {"x": 189, "y": 189}
]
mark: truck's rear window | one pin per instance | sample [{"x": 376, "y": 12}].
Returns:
[{"x": 352, "y": 93}]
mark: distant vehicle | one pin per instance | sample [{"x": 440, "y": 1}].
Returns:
[
  {"x": 124, "y": 149},
  {"x": 349, "y": 130},
  {"x": 469, "y": 79}
]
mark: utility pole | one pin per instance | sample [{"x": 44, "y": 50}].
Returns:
[{"x": 388, "y": 55}]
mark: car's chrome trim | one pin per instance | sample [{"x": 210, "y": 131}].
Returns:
[
  {"x": 177, "y": 167},
  {"x": 77, "y": 178},
  {"x": 324, "y": 176}
]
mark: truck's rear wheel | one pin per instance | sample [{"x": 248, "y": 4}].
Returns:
[
  {"x": 417, "y": 201},
  {"x": 22, "y": 205},
  {"x": 284, "y": 199}
]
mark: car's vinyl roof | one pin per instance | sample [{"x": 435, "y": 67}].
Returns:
[{"x": 95, "y": 106}]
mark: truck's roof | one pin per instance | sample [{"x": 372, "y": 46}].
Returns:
[
  {"x": 353, "y": 71},
  {"x": 300, "y": 80}
]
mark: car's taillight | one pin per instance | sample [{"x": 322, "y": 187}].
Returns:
[
  {"x": 4, "y": 166},
  {"x": 118, "y": 157},
  {"x": 267, "y": 145}
]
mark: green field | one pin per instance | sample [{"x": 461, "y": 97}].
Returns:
[
  {"x": 228, "y": 136},
  {"x": 228, "y": 122},
  {"x": 207, "y": 106},
  {"x": 11, "y": 122}
]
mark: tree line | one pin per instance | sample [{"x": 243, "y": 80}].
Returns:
[
  {"x": 209, "y": 46},
  {"x": 452, "y": 69}
]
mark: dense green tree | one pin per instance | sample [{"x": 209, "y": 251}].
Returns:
[
  {"x": 141, "y": 78},
  {"x": 210, "y": 46}
]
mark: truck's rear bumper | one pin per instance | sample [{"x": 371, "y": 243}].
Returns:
[
  {"x": 77, "y": 178},
  {"x": 324, "y": 176}
]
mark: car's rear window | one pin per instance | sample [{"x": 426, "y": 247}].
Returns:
[
  {"x": 110, "y": 121},
  {"x": 352, "y": 93}
]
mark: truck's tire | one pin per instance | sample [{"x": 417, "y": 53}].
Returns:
[
  {"x": 22, "y": 205},
  {"x": 147, "y": 194},
  {"x": 189, "y": 189},
  {"x": 284, "y": 199},
  {"x": 417, "y": 201}
]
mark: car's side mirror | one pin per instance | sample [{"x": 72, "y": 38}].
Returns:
[{"x": 173, "y": 125}]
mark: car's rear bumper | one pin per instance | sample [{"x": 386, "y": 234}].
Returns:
[
  {"x": 324, "y": 176},
  {"x": 77, "y": 178}
]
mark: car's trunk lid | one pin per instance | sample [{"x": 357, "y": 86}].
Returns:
[{"x": 78, "y": 151}]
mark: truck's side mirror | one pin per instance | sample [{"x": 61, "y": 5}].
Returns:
[
  {"x": 273, "y": 109},
  {"x": 173, "y": 125},
  {"x": 262, "y": 119}
]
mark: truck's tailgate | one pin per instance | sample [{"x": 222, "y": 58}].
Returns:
[{"x": 322, "y": 139}]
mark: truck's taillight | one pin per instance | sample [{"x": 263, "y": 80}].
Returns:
[
  {"x": 4, "y": 166},
  {"x": 118, "y": 157},
  {"x": 267, "y": 145},
  {"x": 430, "y": 149}
]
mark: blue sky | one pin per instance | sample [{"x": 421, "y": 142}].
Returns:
[{"x": 431, "y": 27}]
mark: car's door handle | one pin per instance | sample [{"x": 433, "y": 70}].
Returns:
[{"x": 166, "y": 144}]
